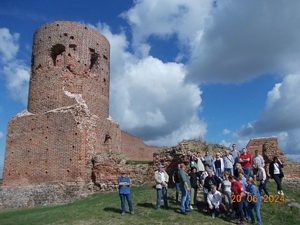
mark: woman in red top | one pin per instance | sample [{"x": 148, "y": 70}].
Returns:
[
  {"x": 238, "y": 198},
  {"x": 246, "y": 162}
]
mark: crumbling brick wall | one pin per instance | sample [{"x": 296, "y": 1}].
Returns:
[
  {"x": 257, "y": 144},
  {"x": 67, "y": 121},
  {"x": 135, "y": 148},
  {"x": 67, "y": 118}
]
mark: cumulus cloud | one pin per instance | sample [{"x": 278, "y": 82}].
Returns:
[
  {"x": 15, "y": 72},
  {"x": 149, "y": 98},
  {"x": 244, "y": 39},
  {"x": 281, "y": 112},
  {"x": 162, "y": 19},
  {"x": 8, "y": 45}
]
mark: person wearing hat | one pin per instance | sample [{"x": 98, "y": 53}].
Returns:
[
  {"x": 161, "y": 180},
  {"x": 124, "y": 192}
]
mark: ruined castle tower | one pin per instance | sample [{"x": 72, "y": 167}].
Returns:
[{"x": 67, "y": 118}]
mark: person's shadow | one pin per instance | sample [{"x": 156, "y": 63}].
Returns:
[
  {"x": 112, "y": 209},
  {"x": 146, "y": 204}
]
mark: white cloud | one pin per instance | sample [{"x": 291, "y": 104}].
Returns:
[
  {"x": 17, "y": 78},
  {"x": 8, "y": 45},
  {"x": 162, "y": 19},
  {"x": 149, "y": 98},
  {"x": 15, "y": 72},
  {"x": 281, "y": 113},
  {"x": 244, "y": 39},
  {"x": 226, "y": 131},
  {"x": 225, "y": 143}
]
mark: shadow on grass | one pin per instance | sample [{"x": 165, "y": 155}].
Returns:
[
  {"x": 202, "y": 209},
  {"x": 116, "y": 210},
  {"x": 146, "y": 205}
]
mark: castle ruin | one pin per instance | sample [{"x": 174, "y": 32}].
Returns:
[{"x": 50, "y": 146}]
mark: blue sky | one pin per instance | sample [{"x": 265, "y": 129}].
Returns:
[{"x": 224, "y": 71}]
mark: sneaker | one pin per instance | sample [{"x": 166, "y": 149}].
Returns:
[
  {"x": 213, "y": 215},
  {"x": 123, "y": 213},
  {"x": 232, "y": 216},
  {"x": 278, "y": 192},
  {"x": 191, "y": 207},
  {"x": 281, "y": 192},
  {"x": 187, "y": 210},
  {"x": 131, "y": 212},
  {"x": 220, "y": 215},
  {"x": 184, "y": 213}
]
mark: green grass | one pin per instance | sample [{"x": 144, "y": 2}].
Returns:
[{"x": 104, "y": 208}]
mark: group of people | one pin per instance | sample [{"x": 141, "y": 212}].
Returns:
[{"x": 234, "y": 178}]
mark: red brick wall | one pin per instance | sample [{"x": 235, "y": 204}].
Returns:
[
  {"x": 66, "y": 120},
  {"x": 66, "y": 123},
  {"x": 68, "y": 56},
  {"x": 257, "y": 143},
  {"x": 136, "y": 149}
]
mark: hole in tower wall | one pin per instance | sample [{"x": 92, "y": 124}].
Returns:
[
  {"x": 56, "y": 50},
  {"x": 105, "y": 57},
  {"x": 65, "y": 34},
  {"x": 72, "y": 46},
  {"x": 72, "y": 37},
  {"x": 94, "y": 57}
]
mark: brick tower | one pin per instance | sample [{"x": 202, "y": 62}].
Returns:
[{"x": 67, "y": 118}]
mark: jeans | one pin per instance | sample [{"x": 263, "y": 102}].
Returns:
[
  {"x": 238, "y": 208},
  {"x": 229, "y": 170},
  {"x": 256, "y": 207},
  {"x": 128, "y": 198},
  {"x": 263, "y": 187},
  {"x": 215, "y": 210},
  {"x": 185, "y": 201},
  {"x": 162, "y": 193},
  {"x": 218, "y": 172},
  {"x": 177, "y": 185},
  {"x": 247, "y": 172},
  {"x": 205, "y": 193}
]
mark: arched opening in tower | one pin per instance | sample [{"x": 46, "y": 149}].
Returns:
[{"x": 56, "y": 50}]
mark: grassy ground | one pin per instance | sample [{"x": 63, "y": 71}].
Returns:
[{"x": 104, "y": 208}]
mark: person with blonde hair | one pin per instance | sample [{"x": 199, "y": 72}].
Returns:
[
  {"x": 227, "y": 193},
  {"x": 237, "y": 167},
  {"x": 254, "y": 201}
]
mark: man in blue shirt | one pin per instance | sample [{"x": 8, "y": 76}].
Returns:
[{"x": 124, "y": 192}]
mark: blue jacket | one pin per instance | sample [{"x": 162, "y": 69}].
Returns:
[
  {"x": 124, "y": 189},
  {"x": 253, "y": 191}
]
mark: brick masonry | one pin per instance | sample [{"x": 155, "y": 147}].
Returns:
[{"x": 66, "y": 123}]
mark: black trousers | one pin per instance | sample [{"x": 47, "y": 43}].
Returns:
[{"x": 278, "y": 179}]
